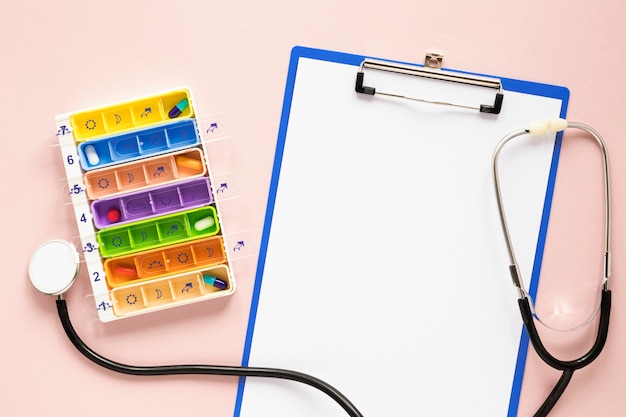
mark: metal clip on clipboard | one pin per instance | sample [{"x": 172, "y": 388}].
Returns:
[{"x": 435, "y": 74}]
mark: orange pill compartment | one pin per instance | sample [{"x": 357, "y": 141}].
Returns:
[
  {"x": 156, "y": 263},
  {"x": 180, "y": 289},
  {"x": 149, "y": 172},
  {"x": 174, "y": 275}
]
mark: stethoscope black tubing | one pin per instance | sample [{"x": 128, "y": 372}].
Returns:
[
  {"x": 584, "y": 360},
  {"x": 555, "y": 394},
  {"x": 568, "y": 367},
  {"x": 200, "y": 369}
]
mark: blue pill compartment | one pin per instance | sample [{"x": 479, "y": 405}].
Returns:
[
  {"x": 139, "y": 144},
  {"x": 182, "y": 134},
  {"x": 123, "y": 148},
  {"x": 101, "y": 149},
  {"x": 153, "y": 141}
]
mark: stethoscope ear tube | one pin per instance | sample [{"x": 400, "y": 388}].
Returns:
[
  {"x": 554, "y": 126},
  {"x": 584, "y": 360}
]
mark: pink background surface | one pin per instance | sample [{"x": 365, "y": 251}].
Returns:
[{"x": 66, "y": 55}]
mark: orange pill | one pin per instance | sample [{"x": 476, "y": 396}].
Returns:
[
  {"x": 125, "y": 270},
  {"x": 191, "y": 163}
]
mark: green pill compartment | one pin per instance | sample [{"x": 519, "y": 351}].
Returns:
[{"x": 156, "y": 232}]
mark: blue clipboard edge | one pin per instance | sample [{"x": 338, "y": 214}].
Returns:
[{"x": 528, "y": 87}]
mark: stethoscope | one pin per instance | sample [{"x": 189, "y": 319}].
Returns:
[
  {"x": 53, "y": 269},
  {"x": 524, "y": 300},
  {"x": 54, "y": 266}
]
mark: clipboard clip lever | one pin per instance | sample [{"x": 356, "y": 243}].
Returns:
[{"x": 434, "y": 74}]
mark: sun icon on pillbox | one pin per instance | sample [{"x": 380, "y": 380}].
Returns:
[{"x": 90, "y": 124}]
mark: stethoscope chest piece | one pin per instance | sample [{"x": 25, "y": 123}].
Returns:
[{"x": 53, "y": 267}]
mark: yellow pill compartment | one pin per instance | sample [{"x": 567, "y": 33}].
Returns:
[{"x": 118, "y": 118}]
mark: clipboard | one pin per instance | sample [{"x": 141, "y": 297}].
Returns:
[{"x": 382, "y": 268}]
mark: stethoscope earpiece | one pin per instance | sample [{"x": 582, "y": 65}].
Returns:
[{"x": 53, "y": 267}]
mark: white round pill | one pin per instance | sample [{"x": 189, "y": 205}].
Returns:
[
  {"x": 92, "y": 155},
  {"x": 204, "y": 223}
]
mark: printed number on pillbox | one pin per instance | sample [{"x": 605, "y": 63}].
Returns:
[{"x": 140, "y": 184}]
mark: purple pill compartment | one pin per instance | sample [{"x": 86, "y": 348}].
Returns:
[{"x": 152, "y": 202}]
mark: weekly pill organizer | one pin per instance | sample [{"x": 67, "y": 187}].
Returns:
[{"x": 144, "y": 199}]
